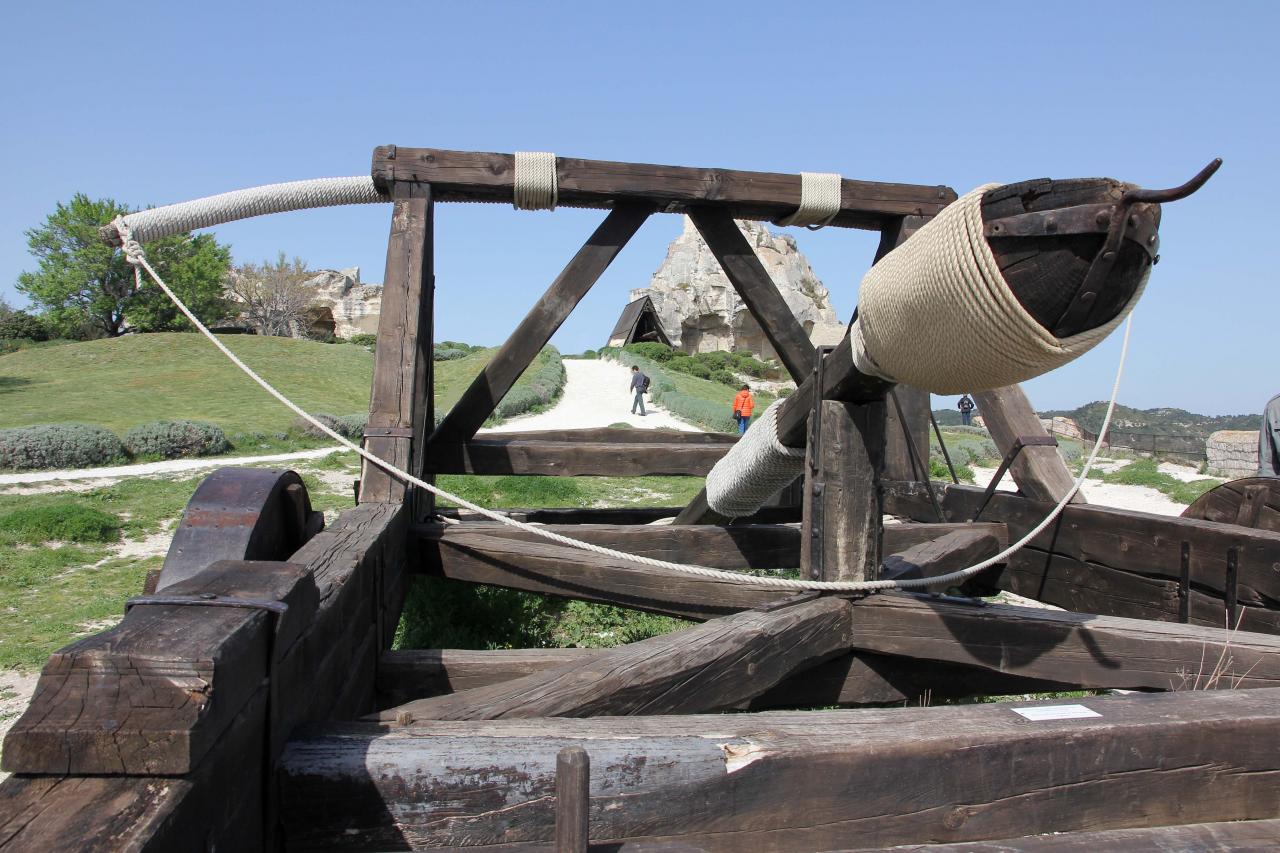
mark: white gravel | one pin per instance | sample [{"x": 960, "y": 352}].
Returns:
[
  {"x": 1135, "y": 498},
  {"x": 595, "y": 395}
]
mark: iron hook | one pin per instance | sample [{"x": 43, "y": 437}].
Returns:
[{"x": 1160, "y": 196}]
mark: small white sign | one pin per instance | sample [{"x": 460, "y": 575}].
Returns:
[{"x": 1056, "y": 712}]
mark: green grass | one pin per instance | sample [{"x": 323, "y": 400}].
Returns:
[
  {"x": 69, "y": 521},
  {"x": 119, "y": 383},
  {"x": 1145, "y": 472}
]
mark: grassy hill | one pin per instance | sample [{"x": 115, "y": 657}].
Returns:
[{"x": 1162, "y": 421}]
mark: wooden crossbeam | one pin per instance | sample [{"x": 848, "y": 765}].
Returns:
[
  {"x": 1244, "y": 836},
  {"x": 478, "y": 176},
  {"x": 793, "y": 781},
  {"x": 1039, "y": 471},
  {"x": 751, "y": 280},
  {"x": 710, "y": 667},
  {"x": 535, "y": 330},
  {"x": 956, "y": 550},
  {"x": 568, "y": 456}
]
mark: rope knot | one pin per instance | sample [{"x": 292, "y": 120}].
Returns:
[{"x": 132, "y": 248}]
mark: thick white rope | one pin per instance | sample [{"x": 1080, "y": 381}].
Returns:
[
  {"x": 937, "y": 313},
  {"x": 819, "y": 200},
  {"x": 157, "y": 222},
  {"x": 534, "y": 184},
  {"x": 756, "y": 467},
  {"x": 137, "y": 257}
]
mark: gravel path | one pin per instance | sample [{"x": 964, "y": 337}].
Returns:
[
  {"x": 167, "y": 467},
  {"x": 1135, "y": 498},
  {"x": 595, "y": 395}
]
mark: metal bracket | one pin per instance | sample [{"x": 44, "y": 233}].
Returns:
[
  {"x": 207, "y": 599},
  {"x": 388, "y": 432},
  {"x": 1184, "y": 584},
  {"x": 1018, "y": 443},
  {"x": 817, "y": 486}
]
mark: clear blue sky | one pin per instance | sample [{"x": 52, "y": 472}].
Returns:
[{"x": 152, "y": 103}]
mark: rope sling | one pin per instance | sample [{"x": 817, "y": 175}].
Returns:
[{"x": 531, "y": 189}]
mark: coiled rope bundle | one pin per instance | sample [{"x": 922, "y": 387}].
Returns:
[{"x": 761, "y": 466}]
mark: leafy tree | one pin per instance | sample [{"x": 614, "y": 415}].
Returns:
[
  {"x": 87, "y": 289},
  {"x": 272, "y": 297}
]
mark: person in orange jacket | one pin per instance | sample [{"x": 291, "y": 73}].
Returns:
[{"x": 743, "y": 405}]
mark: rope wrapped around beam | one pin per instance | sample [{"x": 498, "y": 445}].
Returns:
[
  {"x": 535, "y": 185},
  {"x": 761, "y": 466},
  {"x": 819, "y": 200}
]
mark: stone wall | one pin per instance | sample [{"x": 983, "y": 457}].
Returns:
[{"x": 1233, "y": 453}]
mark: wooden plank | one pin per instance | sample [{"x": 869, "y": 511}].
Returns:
[
  {"x": 154, "y": 694},
  {"x": 957, "y": 550},
  {"x": 1039, "y": 471},
  {"x": 842, "y": 504},
  {"x": 854, "y": 678},
  {"x": 542, "y": 321},
  {"x": 1138, "y": 542},
  {"x": 621, "y": 515},
  {"x": 488, "y": 455},
  {"x": 403, "y": 357},
  {"x": 619, "y": 435},
  {"x": 898, "y": 460},
  {"x": 573, "y": 800},
  {"x": 751, "y": 280},
  {"x": 476, "y": 176},
  {"x": 1243, "y": 835},
  {"x": 1087, "y": 650},
  {"x": 851, "y": 778},
  {"x": 710, "y": 667}
]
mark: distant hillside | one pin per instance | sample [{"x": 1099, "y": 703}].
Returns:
[{"x": 1162, "y": 421}]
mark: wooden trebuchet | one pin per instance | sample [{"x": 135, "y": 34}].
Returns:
[
  {"x": 1038, "y": 470},
  {"x": 712, "y": 667},
  {"x": 851, "y": 778}
]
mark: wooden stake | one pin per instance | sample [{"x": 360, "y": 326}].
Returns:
[{"x": 573, "y": 800}]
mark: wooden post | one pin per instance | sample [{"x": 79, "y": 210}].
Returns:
[
  {"x": 898, "y": 462},
  {"x": 573, "y": 800},
  {"x": 1039, "y": 471},
  {"x": 842, "y": 494},
  {"x": 402, "y": 373}
]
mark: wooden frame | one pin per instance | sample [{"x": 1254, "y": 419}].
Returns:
[{"x": 235, "y": 710}]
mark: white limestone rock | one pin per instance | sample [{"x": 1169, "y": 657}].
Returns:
[{"x": 343, "y": 301}]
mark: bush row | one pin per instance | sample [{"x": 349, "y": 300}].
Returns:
[
  {"x": 539, "y": 386},
  {"x": 720, "y": 367},
  {"x": 348, "y": 426},
  {"x": 706, "y": 413},
  {"x": 84, "y": 446}
]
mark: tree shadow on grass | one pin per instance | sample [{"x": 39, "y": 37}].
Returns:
[{"x": 12, "y": 383}]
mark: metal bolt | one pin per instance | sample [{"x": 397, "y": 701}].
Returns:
[
  {"x": 1108, "y": 256},
  {"x": 208, "y": 596},
  {"x": 1151, "y": 241}
]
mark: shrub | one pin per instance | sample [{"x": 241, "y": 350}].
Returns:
[
  {"x": 61, "y": 522},
  {"x": 457, "y": 345},
  {"x": 725, "y": 377},
  {"x": 20, "y": 324},
  {"x": 589, "y": 355},
  {"x": 448, "y": 354},
  {"x": 347, "y": 426},
  {"x": 699, "y": 370},
  {"x": 58, "y": 446},
  {"x": 653, "y": 351},
  {"x": 175, "y": 439},
  {"x": 352, "y": 426},
  {"x": 363, "y": 340},
  {"x": 537, "y": 388}
]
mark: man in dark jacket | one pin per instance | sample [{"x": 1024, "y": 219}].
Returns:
[
  {"x": 1269, "y": 440},
  {"x": 966, "y": 408},
  {"x": 638, "y": 383}
]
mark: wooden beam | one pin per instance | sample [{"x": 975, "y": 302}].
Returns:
[
  {"x": 902, "y": 457},
  {"x": 710, "y": 667},
  {"x": 1245, "y": 836},
  {"x": 843, "y": 526},
  {"x": 403, "y": 357},
  {"x": 477, "y": 176},
  {"x": 751, "y": 280},
  {"x": 1077, "y": 648},
  {"x": 1039, "y": 471},
  {"x": 751, "y": 546},
  {"x": 516, "y": 454},
  {"x": 853, "y": 678},
  {"x": 793, "y": 781},
  {"x": 957, "y": 550},
  {"x": 535, "y": 330}
]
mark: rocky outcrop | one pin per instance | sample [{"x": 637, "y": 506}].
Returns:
[
  {"x": 1232, "y": 453},
  {"x": 1066, "y": 427},
  {"x": 341, "y": 305},
  {"x": 701, "y": 312}
]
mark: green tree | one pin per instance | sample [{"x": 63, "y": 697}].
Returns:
[{"x": 87, "y": 289}]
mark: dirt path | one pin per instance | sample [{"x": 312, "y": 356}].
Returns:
[
  {"x": 595, "y": 395},
  {"x": 168, "y": 467},
  {"x": 1120, "y": 496}
]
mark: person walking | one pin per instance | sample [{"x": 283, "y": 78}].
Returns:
[
  {"x": 639, "y": 384},
  {"x": 966, "y": 408},
  {"x": 743, "y": 405}
]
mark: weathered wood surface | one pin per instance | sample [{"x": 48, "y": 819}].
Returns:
[
  {"x": 1248, "y": 502},
  {"x": 842, "y": 532},
  {"x": 743, "y": 268},
  {"x": 856, "y": 678},
  {"x": 710, "y": 667},
  {"x": 1141, "y": 543},
  {"x": 852, "y": 778},
  {"x": 573, "y": 800},
  {"x": 621, "y": 515},
  {"x": 1039, "y": 471},
  {"x": 477, "y": 176},
  {"x": 1087, "y": 650},
  {"x": 569, "y": 457},
  {"x": 536, "y": 329},
  {"x": 240, "y": 514},
  {"x": 956, "y": 550},
  {"x": 401, "y": 398},
  {"x": 1255, "y": 836},
  {"x": 903, "y": 459},
  {"x": 154, "y": 694}
]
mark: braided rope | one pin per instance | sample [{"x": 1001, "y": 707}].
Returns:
[
  {"x": 753, "y": 469},
  {"x": 137, "y": 257},
  {"x": 535, "y": 184},
  {"x": 148, "y": 225},
  {"x": 943, "y": 286},
  {"x": 819, "y": 200}
]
